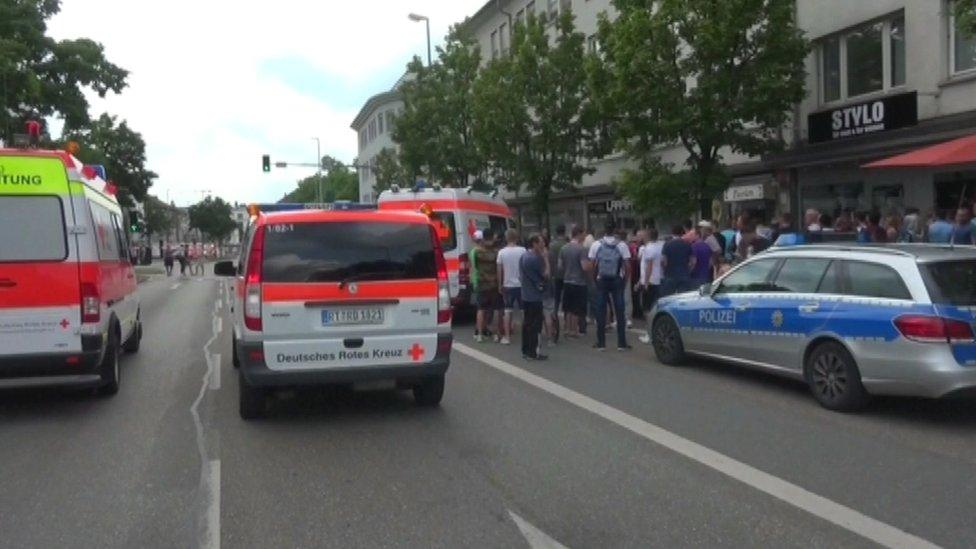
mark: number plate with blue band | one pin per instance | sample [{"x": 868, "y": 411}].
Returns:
[{"x": 352, "y": 316}]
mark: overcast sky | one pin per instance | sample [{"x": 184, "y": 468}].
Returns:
[{"x": 214, "y": 84}]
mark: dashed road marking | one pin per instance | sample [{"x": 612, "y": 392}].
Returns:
[
  {"x": 819, "y": 506},
  {"x": 537, "y": 539}
]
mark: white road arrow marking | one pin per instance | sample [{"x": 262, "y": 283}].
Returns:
[{"x": 536, "y": 538}]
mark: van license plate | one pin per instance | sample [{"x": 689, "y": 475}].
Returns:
[{"x": 352, "y": 316}]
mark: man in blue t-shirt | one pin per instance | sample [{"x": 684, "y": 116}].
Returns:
[
  {"x": 962, "y": 233},
  {"x": 940, "y": 231},
  {"x": 677, "y": 262}
]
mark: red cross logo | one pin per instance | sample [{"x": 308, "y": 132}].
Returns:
[
  {"x": 64, "y": 323},
  {"x": 416, "y": 352}
]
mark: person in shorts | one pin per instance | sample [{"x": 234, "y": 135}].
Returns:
[
  {"x": 510, "y": 276},
  {"x": 574, "y": 302},
  {"x": 489, "y": 300}
]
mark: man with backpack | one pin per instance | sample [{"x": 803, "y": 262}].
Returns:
[{"x": 609, "y": 259}]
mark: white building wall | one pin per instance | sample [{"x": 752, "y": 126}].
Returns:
[{"x": 373, "y": 142}]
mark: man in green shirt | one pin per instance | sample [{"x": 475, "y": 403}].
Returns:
[{"x": 484, "y": 258}]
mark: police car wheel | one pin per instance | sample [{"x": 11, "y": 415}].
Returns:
[
  {"x": 110, "y": 368},
  {"x": 250, "y": 399},
  {"x": 834, "y": 379},
  {"x": 429, "y": 392},
  {"x": 132, "y": 344},
  {"x": 666, "y": 339}
]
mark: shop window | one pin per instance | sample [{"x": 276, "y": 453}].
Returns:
[
  {"x": 835, "y": 198},
  {"x": 888, "y": 199},
  {"x": 962, "y": 50},
  {"x": 867, "y": 59},
  {"x": 494, "y": 45}
]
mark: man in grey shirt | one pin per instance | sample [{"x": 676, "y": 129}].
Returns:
[{"x": 571, "y": 258}]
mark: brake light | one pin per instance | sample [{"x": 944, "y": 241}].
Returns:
[
  {"x": 934, "y": 329},
  {"x": 443, "y": 283},
  {"x": 91, "y": 303},
  {"x": 252, "y": 282}
]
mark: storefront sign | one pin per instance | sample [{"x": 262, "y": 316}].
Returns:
[
  {"x": 879, "y": 115},
  {"x": 745, "y": 192},
  {"x": 619, "y": 205}
]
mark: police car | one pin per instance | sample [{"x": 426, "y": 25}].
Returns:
[
  {"x": 68, "y": 300},
  {"x": 850, "y": 321},
  {"x": 340, "y": 297}
]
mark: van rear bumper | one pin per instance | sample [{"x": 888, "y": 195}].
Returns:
[
  {"x": 257, "y": 373},
  {"x": 50, "y": 369}
]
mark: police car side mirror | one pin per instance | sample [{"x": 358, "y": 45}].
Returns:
[
  {"x": 705, "y": 290},
  {"x": 225, "y": 268}
]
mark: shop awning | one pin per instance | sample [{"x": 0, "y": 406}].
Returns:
[{"x": 951, "y": 153}]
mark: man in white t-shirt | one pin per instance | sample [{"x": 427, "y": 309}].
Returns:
[
  {"x": 650, "y": 275},
  {"x": 510, "y": 275}
]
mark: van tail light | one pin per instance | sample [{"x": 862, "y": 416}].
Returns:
[
  {"x": 934, "y": 329},
  {"x": 252, "y": 283},
  {"x": 464, "y": 270},
  {"x": 443, "y": 284},
  {"x": 91, "y": 303}
]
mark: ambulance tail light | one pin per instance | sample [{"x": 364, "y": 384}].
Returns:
[
  {"x": 252, "y": 283},
  {"x": 91, "y": 303},
  {"x": 443, "y": 283},
  {"x": 934, "y": 329}
]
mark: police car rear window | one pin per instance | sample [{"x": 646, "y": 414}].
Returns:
[
  {"x": 35, "y": 226},
  {"x": 333, "y": 252},
  {"x": 951, "y": 282}
]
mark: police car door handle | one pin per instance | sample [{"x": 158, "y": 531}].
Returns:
[
  {"x": 742, "y": 306},
  {"x": 809, "y": 307}
]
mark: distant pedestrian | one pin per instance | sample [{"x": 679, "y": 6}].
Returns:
[
  {"x": 609, "y": 264},
  {"x": 636, "y": 292},
  {"x": 508, "y": 265},
  {"x": 184, "y": 259},
  {"x": 168, "y": 260},
  {"x": 533, "y": 285},
  {"x": 940, "y": 231},
  {"x": 558, "y": 276},
  {"x": 571, "y": 259},
  {"x": 489, "y": 299},
  {"x": 677, "y": 261},
  {"x": 962, "y": 233},
  {"x": 650, "y": 274},
  {"x": 876, "y": 232}
]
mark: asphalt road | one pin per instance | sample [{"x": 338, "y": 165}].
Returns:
[{"x": 586, "y": 450}]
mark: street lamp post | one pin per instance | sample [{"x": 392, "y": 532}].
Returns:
[
  {"x": 318, "y": 171},
  {"x": 418, "y": 18}
]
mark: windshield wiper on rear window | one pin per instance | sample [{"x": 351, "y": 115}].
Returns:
[{"x": 370, "y": 275}]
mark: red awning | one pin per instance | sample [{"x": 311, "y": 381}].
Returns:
[{"x": 950, "y": 153}]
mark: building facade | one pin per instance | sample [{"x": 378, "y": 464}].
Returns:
[
  {"x": 883, "y": 78},
  {"x": 374, "y": 128}
]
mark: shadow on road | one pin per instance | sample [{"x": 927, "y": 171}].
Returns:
[
  {"x": 341, "y": 404},
  {"x": 47, "y": 402}
]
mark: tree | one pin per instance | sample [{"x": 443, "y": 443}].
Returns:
[
  {"x": 389, "y": 171},
  {"x": 159, "y": 217},
  {"x": 711, "y": 75},
  {"x": 534, "y": 119},
  {"x": 965, "y": 11},
  {"x": 212, "y": 217},
  {"x": 121, "y": 150},
  {"x": 40, "y": 76},
  {"x": 338, "y": 183},
  {"x": 435, "y": 129}
]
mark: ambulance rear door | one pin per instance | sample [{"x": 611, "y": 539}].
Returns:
[{"x": 40, "y": 294}]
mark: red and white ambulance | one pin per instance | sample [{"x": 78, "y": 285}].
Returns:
[
  {"x": 460, "y": 212},
  {"x": 68, "y": 300}
]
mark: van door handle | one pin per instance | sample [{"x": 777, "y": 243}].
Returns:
[
  {"x": 809, "y": 307},
  {"x": 7, "y": 283}
]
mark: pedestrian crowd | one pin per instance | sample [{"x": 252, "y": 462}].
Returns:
[{"x": 190, "y": 257}]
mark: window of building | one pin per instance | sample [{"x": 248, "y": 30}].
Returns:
[
  {"x": 867, "y": 59},
  {"x": 520, "y": 17},
  {"x": 530, "y": 8},
  {"x": 379, "y": 123},
  {"x": 565, "y": 6},
  {"x": 592, "y": 44},
  {"x": 553, "y": 9},
  {"x": 390, "y": 115},
  {"x": 502, "y": 40},
  {"x": 494, "y": 44},
  {"x": 962, "y": 49}
]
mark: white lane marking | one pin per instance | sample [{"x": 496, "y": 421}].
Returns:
[
  {"x": 831, "y": 511},
  {"x": 215, "y": 372},
  {"x": 208, "y": 489},
  {"x": 175, "y": 286},
  {"x": 536, "y": 538}
]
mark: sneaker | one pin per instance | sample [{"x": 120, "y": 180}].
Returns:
[
  {"x": 537, "y": 357},
  {"x": 630, "y": 323},
  {"x": 479, "y": 338},
  {"x": 497, "y": 338},
  {"x": 624, "y": 348},
  {"x": 505, "y": 341},
  {"x": 645, "y": 339},
  {"x": 599, "y": 348}
]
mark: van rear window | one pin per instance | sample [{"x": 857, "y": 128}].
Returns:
[
  {"x": 333, "y": 252},
  {"x": 951, "y": 282},
  {"x": 35, "y": 226}
]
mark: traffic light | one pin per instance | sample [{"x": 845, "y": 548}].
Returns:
[
  {"x": 135, "y": 222},
  {"x": 266, "y": 163}
]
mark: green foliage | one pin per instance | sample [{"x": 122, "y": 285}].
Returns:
[
  {"x": 212, "y": 216},
  {"x": 121, "y": 150},
  {"x": 338, "y": 183},
  {"x": 435, "y": 129},
  {"x": 389, "y": 171},
  {"x": 713, "y": 76},
  {"x": 965, "y": 11},
  {"x": 40, "y": 76},
  {"x": 533, "y": 116},
  {"x": 160, "y": 218}
]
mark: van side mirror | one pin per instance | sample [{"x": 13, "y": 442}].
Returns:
[{"x": 225, "y": 268}]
